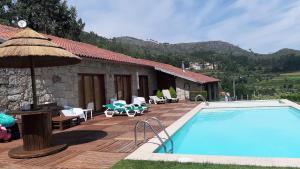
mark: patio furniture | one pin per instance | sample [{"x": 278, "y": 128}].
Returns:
[
  {"x": 62, "y": 122},
  {"x": 89, "y": 109},
  {"x": 140, "y": 102},
  {"x": 29, "y": 49},
  {"x": 120, "y": 107},
  {"x": 36, "y": 135},
  {"x": 74, "y": 112},
  {"x": 130, "y": 107},
  {"x": 6, "y": 120},
  {"x": 112, "y": 110},
  {"x": 168, "y": 96},
  {"x": 156, "y": 100}
]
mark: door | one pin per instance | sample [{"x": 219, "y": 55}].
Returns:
[
  {"x": 123, "y": 87},
  {"x": 165, "y": 81},
  {"x": 91, "y": 89},
  {"x": 143, "y": 90}
]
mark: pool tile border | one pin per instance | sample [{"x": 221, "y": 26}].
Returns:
[{"x": 146, "y": 151}]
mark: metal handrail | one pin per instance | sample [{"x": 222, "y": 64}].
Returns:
[
  {"x": 163, "y": 129},
  {"x": 201, "y": 97},
  {"x": 147, "y": 123}
]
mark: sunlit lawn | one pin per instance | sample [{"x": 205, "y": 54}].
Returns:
[{"x": 131, "y": 164}]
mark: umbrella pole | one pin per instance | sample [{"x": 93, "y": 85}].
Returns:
[{"x": 33, "y": 85}]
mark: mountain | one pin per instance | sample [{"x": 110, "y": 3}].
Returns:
[
  {"x": 185, "y": 48},
  {"x": 227, "y": 57},
  {"x": 286, "y": 51}
]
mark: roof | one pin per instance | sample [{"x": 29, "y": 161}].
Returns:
[
  {"x": 28, "y": 46},
  {"x": 91, "y": 51}
]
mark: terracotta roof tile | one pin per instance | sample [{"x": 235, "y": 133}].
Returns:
[{"x": 90, "y": 51}]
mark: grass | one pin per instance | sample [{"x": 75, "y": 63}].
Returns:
[{"x": 132, "y": 164}]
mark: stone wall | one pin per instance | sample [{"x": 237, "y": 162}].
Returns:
[
  {"x": 60, "y": 84},
  {"x": 184, "y": 87}
]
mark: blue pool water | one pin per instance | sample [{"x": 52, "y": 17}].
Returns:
[{"x": 256, "y": 132}]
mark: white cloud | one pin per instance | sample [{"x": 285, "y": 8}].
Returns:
[{"x": 263, "y": 25}]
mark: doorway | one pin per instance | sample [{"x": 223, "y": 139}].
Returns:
[
  {"x": 143, "y": 90},
  {"x": 123, "y": 87},
  {"x": 92, "y": 89}
]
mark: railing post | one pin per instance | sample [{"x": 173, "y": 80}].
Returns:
[{"x": 145, "y": 133}]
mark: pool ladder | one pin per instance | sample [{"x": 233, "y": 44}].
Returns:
[{"x": 146, "y": 123}]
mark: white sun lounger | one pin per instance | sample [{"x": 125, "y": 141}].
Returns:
[
  {"x": 74, "y": 112},
  {"x": 168, "y": 96},
  {"x": 156, "y": 100}
]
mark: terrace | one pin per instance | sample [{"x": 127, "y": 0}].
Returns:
[{"x": 97, "y": 143}]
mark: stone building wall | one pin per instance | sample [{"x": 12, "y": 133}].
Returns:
[
  {"x": 184, "y": 87},
  {"x": 60, "y": 84}
]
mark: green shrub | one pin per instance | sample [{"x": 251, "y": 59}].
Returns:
[
  {"x": 293, "y": 97},
  {"x": 159, "y": 93},
  {"x": 172, "y": 92}
]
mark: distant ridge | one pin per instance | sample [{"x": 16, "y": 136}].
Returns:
[{"x": 226, "y": 56}]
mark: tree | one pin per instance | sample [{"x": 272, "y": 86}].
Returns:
[
  {"x": 4, "y": 13},
  {"x": 51, "y": 16}
]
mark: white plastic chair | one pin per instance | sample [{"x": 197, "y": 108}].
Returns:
[{"x": 89, "y": 109}]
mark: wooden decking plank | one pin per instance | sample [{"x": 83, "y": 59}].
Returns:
[
  {"x": 51, "y": 160},
  {"x": 104, "y": 145},
  {"x": 130, "y": 147}
]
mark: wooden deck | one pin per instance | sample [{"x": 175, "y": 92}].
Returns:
[{"x": 97, "y": 143}]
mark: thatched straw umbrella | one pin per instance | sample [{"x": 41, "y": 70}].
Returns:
[{"x": 29, "y": 49}]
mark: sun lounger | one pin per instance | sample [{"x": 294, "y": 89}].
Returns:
[
  {"x": 129, "y": 107},
  {"x": 156, "y": 100},
  {"x": 120, "y": 107},
  {"x": 117, "y": 109},
  {"x": 168, "y": 96},
  {"x": 140, "y": 102},
  {"x": 62, "y": 122},
  {"x": 74, "y": 112}
]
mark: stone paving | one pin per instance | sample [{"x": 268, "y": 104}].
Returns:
[{"x": 97, "y": 143}]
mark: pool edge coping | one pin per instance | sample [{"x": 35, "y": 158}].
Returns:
[{"x": 146, "y": 151}]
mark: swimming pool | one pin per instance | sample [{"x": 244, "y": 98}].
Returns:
[
  {"x": 255, "y": 132},
  {"x": 262, "y": 133}
]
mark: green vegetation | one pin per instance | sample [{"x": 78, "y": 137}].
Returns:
[
  {"x": 159, "y": 93},
  {"x": 172, "y": 92},
  {"x": 286, "y": 85},
  {"x": 131, "y": 164},
  {"x": 51, "y": 16}
]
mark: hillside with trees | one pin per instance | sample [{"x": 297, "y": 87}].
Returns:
[{"x": 228, "y": 57}]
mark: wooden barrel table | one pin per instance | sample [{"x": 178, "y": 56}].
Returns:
[{"x": 37, "y": 135}]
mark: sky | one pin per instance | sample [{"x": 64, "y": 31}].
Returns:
[{"x": 264, "y": 26}]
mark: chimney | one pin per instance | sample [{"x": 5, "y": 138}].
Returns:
[{"x": 182, "y": 66}]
